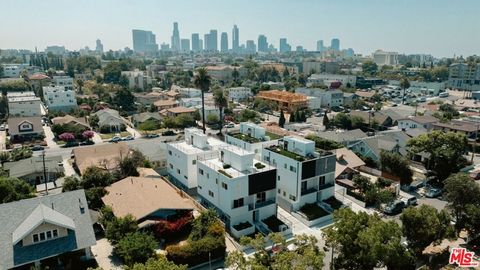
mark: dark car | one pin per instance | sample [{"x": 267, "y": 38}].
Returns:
[
  {"x": 150, "y": 136},
  {"x": 37, "y": 148},
  {"x": 168, "y": 133},
  {"x": 86, "y": 143},
  {"x": 71, "y": 144},
  {"x": 394, "y": 208},
  {"x": 337, "y": 109}
]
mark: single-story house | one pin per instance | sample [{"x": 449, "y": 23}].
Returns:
[
  {"x": 155, "y": 152},
  {"x": 43, "y": 227},
  {"x": 165, "y": 104},
  {"x": 372, "y": 146},
  {"x": 422, "y": 122},
  {"x": 146, "y": 199},
  {"x": 176, "y": 111},
  {"x": 71, "y": 120},
  {"x": 139, "y": 118},
  {"x": 346, "y": 137},
  {"x": 110, "y": 120},
  {"x": 384, "y": 121},
  {"x": 25, "y": 128},
  {"x": 31, "y": 169},
  {"x": 470, "y": 129},
  {"x": 365, "y": 95},
  {"x": 105, "y": 156}
]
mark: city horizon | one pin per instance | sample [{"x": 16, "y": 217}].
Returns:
[{"x": 115, "y": 35}]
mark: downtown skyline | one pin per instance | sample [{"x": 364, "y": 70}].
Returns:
[{"x": 405, "y": 28}]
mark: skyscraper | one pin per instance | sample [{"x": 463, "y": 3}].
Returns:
[
  {"x": 235, "y": 40},
  {"x": 144, "y": 41},
  {"x": 320, "y": 46},
  {"x": 335, "y": 44},
  {"x": 284, "y": 46},
  {"x": 224, "y": 42},
  {"x": 206, "y": 40},
  {"x": 262, "y": 43},
  {"x": 185, "y": 44},
  {"x": 251, "y": 48},
  {"x": 211, "y": 42},
  {"x": 195, "y": 42},
  {"x": 200, "y": 42},
  {"x": 175, "y": 37},
  {"x": 99, "y": 47}
]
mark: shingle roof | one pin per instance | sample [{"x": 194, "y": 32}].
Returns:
[
  {"x": 14, "y": 122},
  {"x": 68, "y": 119},
  {"x": 104, "y": 156},
  {"x": 62, "y": 209},
  {"x": 346, "y": 159},
  {"x": 141, "y": 196},
  {"x": 31, "y": 165},
  {"x": 346, "y": 136}
]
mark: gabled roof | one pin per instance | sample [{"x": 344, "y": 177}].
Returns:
[
  {"x": 31, "y": 165},
  {"x": 379, "y": 117},
  {"x": 103, "y": 156},
  {"x": 140, "y": 197},
  {"x": 41, "y": 214},
  {"x": 343, "y": 137},
  {"x": 346, "y": 159},
  {"x": 68, "y": 119}
]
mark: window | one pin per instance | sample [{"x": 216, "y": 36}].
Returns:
[
  {"x": 321, "y": 180},
  {"x": 216, "y": 181},
  {"x": 42, "y": 236},
  {"x": 278, "y": 177},
  {"x": 171, "y": 166},
  {"x": 199, "y": 187},
  {"x": 211, "y": 194},
  {"x": 293, "y": 169},
  {"x": 284, "y": 194},
  {"x": 208, "y": 175},
  {"x": 285, "y": 165},
  {"x": 292, "y": 197},
  {"x": 170, "y": 152},
  {"x": 55, "y": 233},
  {"x": 304, "y": 185},
  {"x": 200, "y": 171},
  {"x": 238, "y": 203},
  {"x": 224, "y": 186},
  {"x": 194, "y": 162},
  {"x": 178, "y": 171},
  {"x": 49, "y": 235},
  {"x": 279, "y": 191},
  {"x": 261, "y": 197},
  {"x": 266, "y": 158},
  {"x": 35, "y": 238}
]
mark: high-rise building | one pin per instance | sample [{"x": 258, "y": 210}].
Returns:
[
  {"x": 235, "y": 40},
  {"x": 383, "y": 58},
  {"x": 284, "y": 46},
  {"x": 99, "y": 46},
  {"x": 176, "y": 46},
  {"x": 200, "y": 42},
  {"x": 299, "y": 48},
  {"x": 211, "y": 42},
  {"x": 251, "y": 47},
  {"x": 320, "y": 46},
  {"x": 164, "y": 47},
  {"x": 144, "y": 41},
  {"x": 206, "y": 42},
  {"x": 335, "y": 45},
  {"x": 262, "y": 43},
  {"x": 185, "y": 44},
  {"x": 195, "y": 42},
  {"x": 224, "y": 42}
]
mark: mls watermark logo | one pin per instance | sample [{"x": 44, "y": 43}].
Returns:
[{"x": 462, "y": 257}]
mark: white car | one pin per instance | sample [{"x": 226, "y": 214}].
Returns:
[{"x": 230, "y": 125}]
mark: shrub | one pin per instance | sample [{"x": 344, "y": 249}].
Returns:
[
  {"x": 226, "y": 166},
  {"x": 136, "y": 248},
  {"x": 259, "y": 165},
  {"x": 170, "y": 229},
  {"x": 196, "y": 252}
]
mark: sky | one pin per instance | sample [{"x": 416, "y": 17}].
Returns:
[{"x": 443, "y": 28}]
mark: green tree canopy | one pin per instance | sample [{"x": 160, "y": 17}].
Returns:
[
  {"x": 397, "y": 165},
  {"x": 157, "y": 263},
  {"x": 136, "y": 247},
  {"x": 343, "y": 120},
  {"x": 13, "y": 189},
  {"x": 118, "y": 228}
]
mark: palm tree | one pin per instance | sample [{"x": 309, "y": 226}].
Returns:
[
  {"x": 202, "y": 81},
  {"x": 404, "y": 84},
  {"x": 221, "y": 102}
]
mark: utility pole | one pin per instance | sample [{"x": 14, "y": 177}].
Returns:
[{"x": 44, "y": 173}]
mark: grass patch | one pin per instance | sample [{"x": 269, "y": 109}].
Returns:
[
  {"x": 283, "y": 152},
  {"x": 313, "y": 211},
  {"x": 273, "y": 223},
  {"x": 107, "y": 136},
  {"x": 334, "y": 203},
  {"x": 273, "y": 136},
  {"x": 242, "y": 226},
  {"x": 259, "y": 165},
  {"x": 60, "y": 142},
  {"x": 244, "y": 137},
  {"x": 225, "y": 173}
]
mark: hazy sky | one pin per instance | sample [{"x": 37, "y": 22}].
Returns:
[{"x": 438, "y": 27}]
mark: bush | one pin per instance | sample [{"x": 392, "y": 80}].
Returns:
[
  {"x": 197, "y": 252},
  {"x": 120, "y": 227},
  {"x": 259, "y": 165},
  {"x": 136, "y": 248},
  {"x": 170, "y": 229}
]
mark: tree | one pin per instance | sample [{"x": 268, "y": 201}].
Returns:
[
  {"x": 423, "y": 225},
  {"x": 93, "y": 120},
  {"x": 4, "y": 157},
  {"x": 71, "y": 183},
  {"x": 160, "y": 262},
  {"x": 149, "y": 125},
  {"x": 445, "y": 150},
  {"x": 404, "y": 84},
  {"x": 361, "y": 182},
  {"x": 88, "y": 134},
  {"x": 357, "y": 121},
  {"x": 326, "y": 121},
  {"x": 397, "y": 165},
  {"x": 96, "y": 177},
  {"x": 202, "y": 81},
  {"x": 13, "y": 189},
  {"x": 125, "y": 100},
  {"x": 343, "y": 120},
  {"x": 118, "y": 228},
  {"x": 221, "y": 102},
  {"x": 106, "y": 216},
  {"x": 136, "y": 247},
  {"x": 94, "y": 197},
  {"x": 369, "y": 68},
  {"x": 281, "y": 119},
  {"x": 364, "y": 241},
  {"x": 80, "y": 84},
  {"x": 112, "y": 72},
  {"x": 306, "y": 254},
  {"x": 212, "y": 119},
  {"x": 461, "y": 191}
]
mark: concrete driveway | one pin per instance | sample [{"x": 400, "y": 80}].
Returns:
[
  {"x": 103, "y": 253},
  {"x": 49, "y": 137}
]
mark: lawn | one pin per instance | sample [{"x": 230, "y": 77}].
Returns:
[
  {"x": 313, "y": 211},
  {"x": 107, "y": 136}
]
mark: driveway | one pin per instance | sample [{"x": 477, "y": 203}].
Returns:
[
  {"x": 3, "y": 137},
  {"x": 96, "y": 138},
  {"x": 134, "y": 132},
  {"x": 49, "y": 137},
  {"x": 103, "y": 253}
]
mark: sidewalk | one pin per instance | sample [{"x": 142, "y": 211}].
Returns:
[
  {"x": 96, "y": 138},
  {"x": 49, "y": 138},
  {"x": 3, "y": 137},
  {"x": 134, "y": 132}
]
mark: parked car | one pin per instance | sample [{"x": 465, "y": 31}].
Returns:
[
  {"x": 37, "y": 148},
  {"x": 115, "y": 139},
  {"x": 71, "y": 144},
  {"x": 337, "y": 108},
  {"x": 433, "y": 193},
  {"x": 410, "y": 201},
  {"x": 2, "y": 127},
  {"x": 88, "y": 142},
  {"x": 128, "y": 138},
  {"x": 168, "y": 133},
  {"x": 394, "y": 208},
  {"x": 443, "y": 95},
  {"x": 421, "y": 99},
  {"x": 150, "y": 136},
  {"x": 230, "y": 125}
]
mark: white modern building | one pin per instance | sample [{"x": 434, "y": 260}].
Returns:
[
  {"x": 239, "y": 93},
  {"x": 23, "y": 104},
  {"x": 327, "y": 79},
  {"x": 182, "y": 156},
  {"x": 464, "y": 77},
  {"x": 383, "y": 58},
  {"x": 190, "y": 92},
  {"x": 241, "y": 189},
  {"x": 137, "y": 79},
  {"x": 251, "y": 137},
  {"x": 15, "y": 70},
  {"x": 209, "y": 110},
  {"x": 328, "y": 98},
  {"x": 58, "y": 98},
  {"x": 303, "y": 174},
  {"x": 65, "y": 81}
]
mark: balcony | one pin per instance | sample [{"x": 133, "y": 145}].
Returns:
[
  {"x": 308, "y": 191},
  {"x": 326, "y": 185},
  {"x": 253, "y": 206}
]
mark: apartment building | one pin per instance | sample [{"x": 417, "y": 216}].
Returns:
[
  {"x": 182, "y": 156},
  {"x": 284, "y": 100},
  {"x": 327, "y": 79},
  {"x": 239, "y": 93},
  {"x": 23, "y": 104},
  {"x": 241, "y": 189},
  {"x": 383, "y": 58},
  {"x": 328, "y": 98},
  {"x": 58, "y": 98},
  {"x": 251, "y": 137},
  {"x": 65, "y": 81},
  {"x": 464, "y": 77},
  {"x": 137, "y": 79},
  {"x": 304, "y": 175}
]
